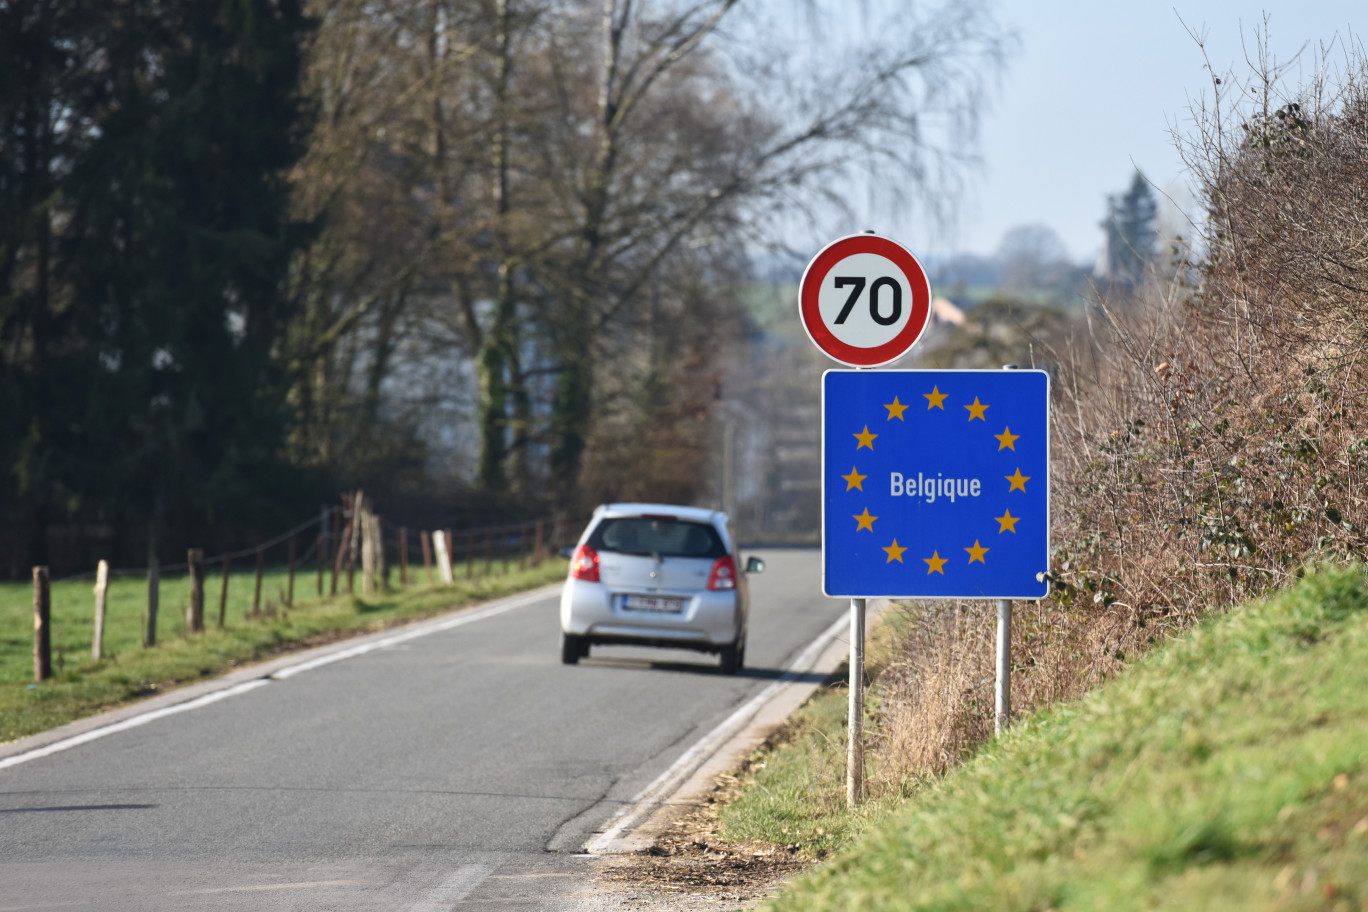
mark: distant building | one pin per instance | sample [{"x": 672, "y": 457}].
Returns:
[{"x": 943, "y": 311}]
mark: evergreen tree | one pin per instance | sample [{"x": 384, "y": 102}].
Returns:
[
  {"x": 47, "y": 104},
  {"x": 143, "y": 353},
  {"x": 1130, "y": 233}
]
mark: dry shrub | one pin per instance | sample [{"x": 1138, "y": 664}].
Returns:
[
  {"x": 938, "y": 703},
  {"x": 1210, "y": 443}
]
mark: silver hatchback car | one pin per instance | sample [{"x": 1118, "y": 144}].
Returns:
[{"x": 656, "y": 575}]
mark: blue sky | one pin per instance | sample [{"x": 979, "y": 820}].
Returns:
[{"x": 1092, "y": 92}]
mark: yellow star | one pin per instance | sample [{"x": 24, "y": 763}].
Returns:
[
  {"x": 865, "y": 520},
  {"x": 936, "y": 563},
  {"x": 1006, "y": 439},
  {"x": 1018, "y": 481},
  {"x": 895, "y": 552},
  {"x": 976, "y": 553},
  {"x": 866, "y": 439},
  {"x": 936, "y": 399},
  {"x": 854, "y": 479},
  {"x": 1006, "y": 522},
  {"x": 976, "y": 410},
  {"x": 896, "y": 409}
]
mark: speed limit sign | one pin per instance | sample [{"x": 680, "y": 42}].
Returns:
[{"x": 864, "y": 300}]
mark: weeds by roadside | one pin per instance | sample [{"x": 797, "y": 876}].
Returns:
[{"x": 1208, "y": 438}]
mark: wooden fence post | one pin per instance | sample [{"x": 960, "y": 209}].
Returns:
[
  {"x": 489, "y": 553},
  {"x": 354, "y": 540},
  {"x": 440, "y": 545},
  {"x": 403, "y": 556},
  {"x": 377, "y": 558},
  {"x": 101, "y": 591},
  {"x": 223, "y": 591},
  {"x": 289, "y": 591},
  {"x": 539, "y": 548},
  {"x": 260, "y": 564},
  {"x": 426, "y": 540},
  {"x": 368, "y": 566},
  {"x": 322, "y": 547},
  {"x": 382, "y": 583},
  {"x": 42, "y": 625},
  {"x": 194, "y": 614},
  {"x": 341, "y": 543},
  {"x": 470, "y": 555},
  {"x": 153, "y": 601},
  {"x": 377, "y": 550}
]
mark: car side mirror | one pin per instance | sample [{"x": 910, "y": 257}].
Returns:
[
  {"x": 755, "y": 565},
  {"x": 567, "y": 551}
]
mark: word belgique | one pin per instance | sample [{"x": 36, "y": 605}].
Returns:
[{"x": 931, "y": 488}]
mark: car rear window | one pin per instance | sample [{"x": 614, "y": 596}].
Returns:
[{"x": 662, "y": 536}]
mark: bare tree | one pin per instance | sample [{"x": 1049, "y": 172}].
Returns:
[
  {"x": 564, "y": 191},
  {"x": 682, "y": 153}
]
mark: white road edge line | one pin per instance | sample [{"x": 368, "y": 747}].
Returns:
[
  {"x": 654, "y": 794},
  {"x": 460, "y": 620},
  {"x": 126, "y": 724}
]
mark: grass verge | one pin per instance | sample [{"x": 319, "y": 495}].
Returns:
[
  {"x": 1227, "y": 770},
  {"x": 82, "y": 686},
  {"x": 793, "y": 789}
]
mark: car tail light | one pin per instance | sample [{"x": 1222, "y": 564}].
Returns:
[
  {"x": 585, "y": 564},
  {"x": 723, "y": 575}
]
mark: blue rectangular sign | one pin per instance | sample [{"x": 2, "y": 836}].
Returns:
[{"x": 936, "y": 484}]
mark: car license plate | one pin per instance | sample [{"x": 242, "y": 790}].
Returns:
[{"x": 655, "y": 603}]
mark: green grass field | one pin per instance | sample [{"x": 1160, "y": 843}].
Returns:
[
  {"x": 82, "y": 686},
  {"x": 1228, "y": 770}
]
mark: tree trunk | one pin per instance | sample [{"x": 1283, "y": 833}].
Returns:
[
  {"x": 381, "y": 352},
  {"x": 499, "y": 346},
  {"x": 572, "y": 408},
  {"x": 493, "y": 411}
]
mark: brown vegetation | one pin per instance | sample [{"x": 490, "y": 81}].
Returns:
[{"x": 1209, "y": 442}]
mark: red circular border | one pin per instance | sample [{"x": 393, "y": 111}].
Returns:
[{"x": 815, "y": 274}]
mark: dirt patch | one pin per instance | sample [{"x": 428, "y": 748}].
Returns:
[{"x": 689, "y": 866}]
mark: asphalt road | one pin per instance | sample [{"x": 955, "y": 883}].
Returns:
[{"x": 461, "y": 769}]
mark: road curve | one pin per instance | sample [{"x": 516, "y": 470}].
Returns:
[{"x": 464, "y": 768}]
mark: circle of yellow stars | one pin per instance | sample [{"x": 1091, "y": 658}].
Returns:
[{"x": 977, "y": 412}]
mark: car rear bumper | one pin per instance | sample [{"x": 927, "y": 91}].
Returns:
[{"x": 709, "y": 620}]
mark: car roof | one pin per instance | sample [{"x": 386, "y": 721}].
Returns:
[{"x": 697, "y": 514}]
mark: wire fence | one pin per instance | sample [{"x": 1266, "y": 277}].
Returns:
[
  {"x": 339, "y": 544},
  {"x": 170, "y": 569}
]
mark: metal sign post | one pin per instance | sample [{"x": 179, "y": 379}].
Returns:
[
  {"x": 1003, "y": 696},
  {"x": 864, "y": 300},
  {"x": 855, "y": 721}
]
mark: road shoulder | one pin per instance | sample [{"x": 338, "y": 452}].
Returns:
[{"x": 673, "y": 858}]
